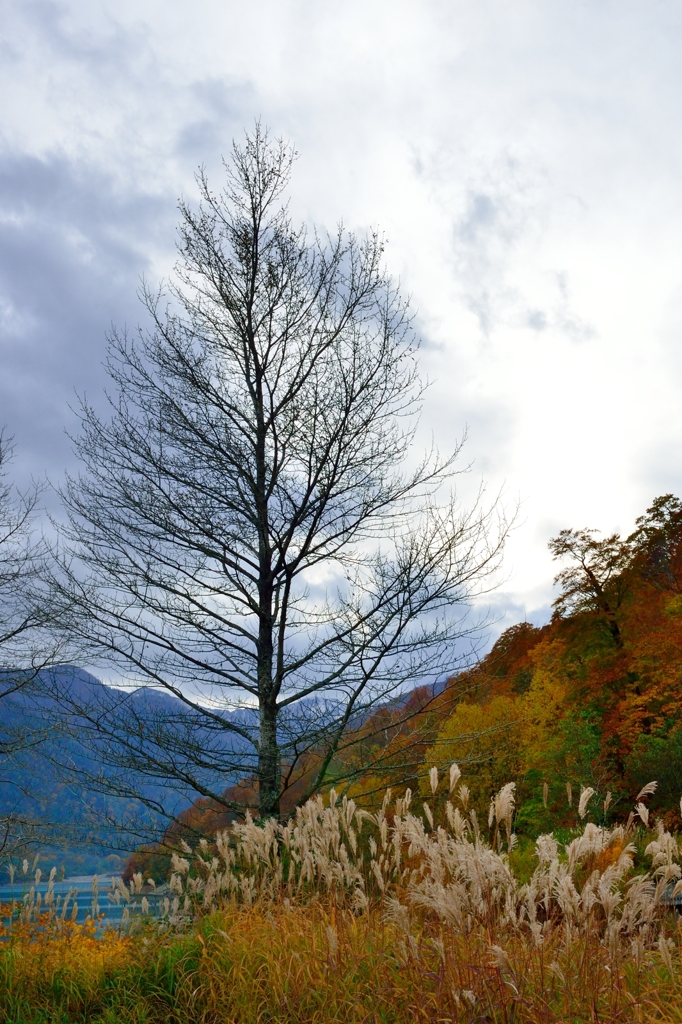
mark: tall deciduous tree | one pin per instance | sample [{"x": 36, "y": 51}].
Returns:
[
  {"x": 596, "y": 578},
  {"x": 251, "y": 531},
  {"x": 657, "y": 543},
  {"x": 21, "y": 658},
  {"x": 20, "y": 615}
]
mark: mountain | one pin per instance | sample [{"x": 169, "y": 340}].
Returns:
[
  {"x": 73, "y": 756},
  {"x": 99, "y": 769}
]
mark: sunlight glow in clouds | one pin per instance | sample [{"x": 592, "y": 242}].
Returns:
[{"x": 523, "y": 158}]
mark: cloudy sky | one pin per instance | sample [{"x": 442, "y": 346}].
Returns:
[{"x": 524, "y": 159}]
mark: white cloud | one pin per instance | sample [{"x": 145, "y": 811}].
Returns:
[{"x": 523, "y": 158}]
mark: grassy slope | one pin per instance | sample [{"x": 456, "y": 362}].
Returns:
[{"x": 322, "y": 964}]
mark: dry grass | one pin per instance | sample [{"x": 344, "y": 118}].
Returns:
[{"x": 341, "y": 915}]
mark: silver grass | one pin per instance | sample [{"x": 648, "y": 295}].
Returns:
[
  {"x": 450, "y": 874},
  {"x": 585, "y": 797},
  {"x": 455, "y": 775},
  {"x": 665, "y": 952},
  {"x": 643, "y": 812}
]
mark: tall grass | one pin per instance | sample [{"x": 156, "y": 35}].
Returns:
[{"x": 344, "y": 915}]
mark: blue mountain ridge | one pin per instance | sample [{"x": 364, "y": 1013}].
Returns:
[
  {"x": 49, "y": 781},
  {"x": 86, "y": 731}
]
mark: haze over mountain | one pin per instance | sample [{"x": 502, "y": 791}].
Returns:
[
  {"x": 53, "y": 779},
  {"x": 89, "y": 741}
]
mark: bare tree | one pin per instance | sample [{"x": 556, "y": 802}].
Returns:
[
  {"x": 21, "y": 659},
  {"x": 18, "y": 614},
  {"x": 250, "y": 531}
]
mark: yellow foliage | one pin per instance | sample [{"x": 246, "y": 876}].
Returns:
[
  {"x": 70, "y": 961},
  {"x": 545, "y": 702},
  {"x": 486, "y": 741}
]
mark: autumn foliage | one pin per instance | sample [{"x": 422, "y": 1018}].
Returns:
[{"x": 594, "y": 698}]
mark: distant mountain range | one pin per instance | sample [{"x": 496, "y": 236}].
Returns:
[
  {"x": 87, "y": 752},
  {"x": 49, "y": 779}
]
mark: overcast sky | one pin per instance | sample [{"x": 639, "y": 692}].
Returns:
[{"x": 523, "y": 158}]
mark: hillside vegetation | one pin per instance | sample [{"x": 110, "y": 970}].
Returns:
[{"x": 591, "y": 700}]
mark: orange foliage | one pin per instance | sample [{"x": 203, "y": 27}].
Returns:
[
  {"x": 606, "y": 673},
  {"x": 49, "y": 946}
]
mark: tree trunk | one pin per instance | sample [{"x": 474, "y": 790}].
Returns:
[
  {"x": 269, "y": 768},
  {"x": 269, "y": 771}
]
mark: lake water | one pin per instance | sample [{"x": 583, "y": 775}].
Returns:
[{"x": 83, "y": 884}]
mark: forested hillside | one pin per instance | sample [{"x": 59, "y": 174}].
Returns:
[{"x": 594, "y": 698}]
